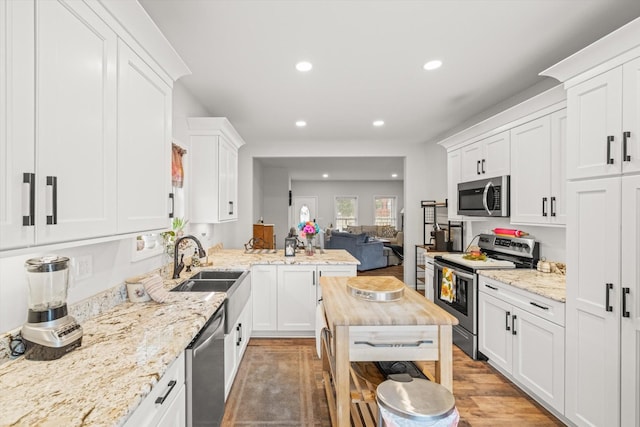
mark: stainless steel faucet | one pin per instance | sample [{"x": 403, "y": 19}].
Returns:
[{"x": 177, "y": 267}]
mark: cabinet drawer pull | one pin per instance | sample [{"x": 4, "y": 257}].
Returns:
[
  {"x": 395, "y": 345},
  {"x": 478, "y": 167},
  {"x": 483, "y": 161},
  {"x": 625, "y": 292},
  {"x": 608, "y": 306},
  {"x": 513, "y": 325},
  {"x": 538, "y": 305},
  {"x": 491, "y": 287},
  {"x": 553, "y": 206},
  {"x": 625, "y": 136},
  {"x": 160, "y": 400},
  {"x": 544, "y": 206},
  {"x": 29, "y": 219},
  {"x": 52, "y": 182},
  {"x": 172, "y": 204},
  {"x": 609, "y": 141},
  {"x": 230, "y": 208},
  {"x": 507, "y": 327}
]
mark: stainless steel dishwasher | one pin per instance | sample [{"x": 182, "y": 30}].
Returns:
[{"x": 205, "y": 373}]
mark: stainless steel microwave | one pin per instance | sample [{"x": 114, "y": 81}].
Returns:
[{"x": 486, "y": 197}]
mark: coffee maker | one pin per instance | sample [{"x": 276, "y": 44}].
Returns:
[{"x": 50, "y": 332}]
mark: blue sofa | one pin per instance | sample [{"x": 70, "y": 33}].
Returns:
[{"x": 369, "y": 253}]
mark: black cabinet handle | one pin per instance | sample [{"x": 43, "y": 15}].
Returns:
[
  {"x": 513, "y": 325},
  {"x": 625, "y": 136},
  {"x": 478, "y": 167},
  {"x": 491, "y": 287},
  {"x": 538, "y": 305},
  {"x": 239, "y": 329},
  {"x": 625, "y": 292},
  {"x": 483, "y": 165},
  {"x": 230, "y": 208},
  {"x": 508, "y": 328},
  {"x": 313, "y": 277},
  {"x": 553, "y": 206},
  {"x": 606, "y": 303},
  {"x": 52, "y": 181},
  {"x": 544, "y": 206},
  {"x": 173, "y": 205},
  {"x": 609, "y": 141},
  {"x": 160, "y": 400},
  {"x": 29, "y": 219}
]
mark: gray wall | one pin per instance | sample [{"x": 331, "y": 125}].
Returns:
[{"x": 325, "y": 191}]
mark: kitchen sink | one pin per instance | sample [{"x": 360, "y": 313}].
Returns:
[{"x": 235, "y": 283}]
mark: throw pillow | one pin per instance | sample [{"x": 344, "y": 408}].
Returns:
[{"x": 388, "y": 231}]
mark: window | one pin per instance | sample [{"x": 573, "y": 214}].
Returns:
[
  {"x": 346, "y": 211},
  {"x": 384, "y": 210}
]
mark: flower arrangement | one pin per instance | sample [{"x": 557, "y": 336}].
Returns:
[{"x": 308, "y": 229}]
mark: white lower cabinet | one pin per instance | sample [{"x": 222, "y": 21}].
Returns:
[
  {"x": 429, "y": 275},
  {"x": 235, "y": 344},
  {"x": 285, "y": 296},
  {"x": 523, "y": 336},
  {"x": 170, "y": 390}
]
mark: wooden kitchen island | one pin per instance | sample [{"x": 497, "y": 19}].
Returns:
[{"x": 411, "y": 328}]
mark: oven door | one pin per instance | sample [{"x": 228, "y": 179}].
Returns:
[{"x": 463, "y": 306}]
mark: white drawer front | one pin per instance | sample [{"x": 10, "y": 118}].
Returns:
[{"x": 387, "y": 343}]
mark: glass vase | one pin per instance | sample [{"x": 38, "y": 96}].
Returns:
[{"x": 309, "y": 249}]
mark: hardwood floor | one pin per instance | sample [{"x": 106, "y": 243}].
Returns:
[
  {"x": 483, "y": 396},
  {"x": 396, "y": 271}
]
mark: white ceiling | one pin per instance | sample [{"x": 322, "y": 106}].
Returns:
[
  {"x": 338, "y": 168},
  {"x": 367, "y": 60}
]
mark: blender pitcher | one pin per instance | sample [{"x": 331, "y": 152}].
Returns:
[{"x": 49, "y": 332}]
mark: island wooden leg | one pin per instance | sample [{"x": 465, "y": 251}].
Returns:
[
  {"x": 341, "y": 380},
  {"x": 444, "y": 364}
]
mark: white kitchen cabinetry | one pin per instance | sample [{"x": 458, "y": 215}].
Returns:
[
  {"x": 605, "y": 123},
  {"x": 296, "y": 297},
  {"x": 144, "y": 145},
  {"x": 429, "y": 275},
  {"x": 603, "y": 209},
  {"x": 538, "y": 171},
  {"x": 523, "y": 336},
  {"x": 170, "y": 389},
  {"x": 235, "y": 344},
  {"x": 214, "y": 165},
  {"x": 76, "y": 126},
  {"x": 17, "y": 122},
  {"x": 285, "y": 296},
  {"x": 453, "y": 179},
  {"x": 486, "y": 158}
]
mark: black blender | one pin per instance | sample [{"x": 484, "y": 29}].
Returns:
[{"x": 50, "y": 332}]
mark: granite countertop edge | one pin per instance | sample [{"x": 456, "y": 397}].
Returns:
[{"x": 548, "y": 285}]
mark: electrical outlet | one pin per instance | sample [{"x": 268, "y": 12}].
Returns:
[{"x": 84, "y": 267}]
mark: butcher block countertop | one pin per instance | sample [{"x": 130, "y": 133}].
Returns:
[{"x": 343, "y": 309}]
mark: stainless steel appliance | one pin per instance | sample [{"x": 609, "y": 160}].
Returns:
[
  {"x": 486, "y": 197},
  {"x": 502, "y": 252},
  {"x": 205, "y": 373},
  {"x": 50, "y": 332}
]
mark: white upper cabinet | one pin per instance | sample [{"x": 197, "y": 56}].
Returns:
[
  {"x": 453, "y": 178},
  {"x": 214, "y": 166},
  {"x": 486, "y": 158},
  {"x": 95, "y": 162},
  {"x": 594, "y": 126},
  {"x": 631, "y": 117},
  {"x": 537, "y": 165},
  {"x": 17, "y": 124},
  {"x": 144, "y": 145},
  {"x": 76, "y": 125}
]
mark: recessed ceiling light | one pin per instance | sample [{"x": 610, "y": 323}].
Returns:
[
  {"x": 304, "y": 66},
  {"x": 325, "y": 175},
  {"x": 301, "y": 123},
  {"x": 432, "y": 65},
  {"x": 378, "y": 123},
  {"x": 394, "y": 175}
]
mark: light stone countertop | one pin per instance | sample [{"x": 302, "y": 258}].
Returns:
[
  {"x": 124, "y": 352},
  {"x": 549, "y": 285}
]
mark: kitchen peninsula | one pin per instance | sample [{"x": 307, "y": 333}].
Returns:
[
  {"x": 410, "y": 328},
  {"x": 126, "y": 350}
]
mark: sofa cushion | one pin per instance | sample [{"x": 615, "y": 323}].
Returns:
[{"x": 388, "y": 231}]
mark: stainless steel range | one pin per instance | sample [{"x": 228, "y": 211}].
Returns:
[{"x": 502, "y": 252}]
